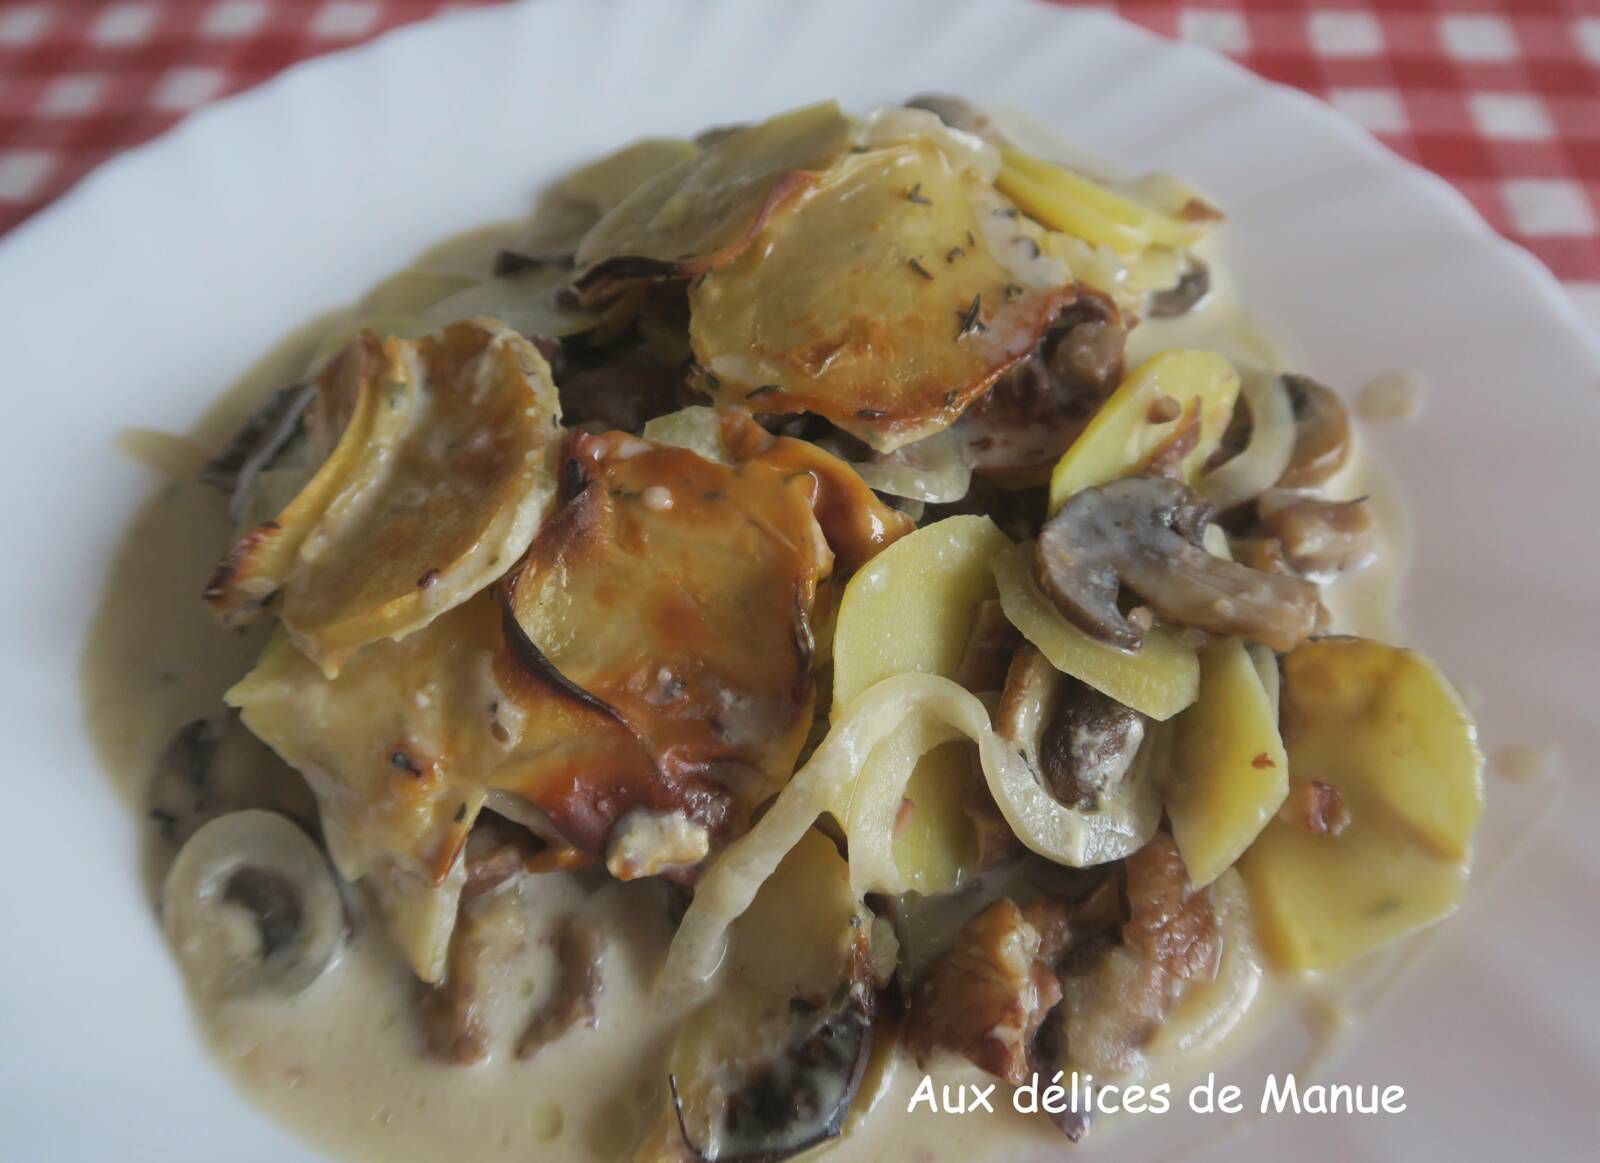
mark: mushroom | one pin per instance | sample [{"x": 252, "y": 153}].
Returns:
[
  {"x": 1080, "y": 742},
  {"x": 1020, "y": 428},
  {"x": 251, "y": 907},
  {"x": 1319, "y": 539},
  {"x": 210, "y": 767},
  {"x": 1322, "y": 433},
  {"x": 1193, "y": 285},
  {"x": 1145, "y": 532}
]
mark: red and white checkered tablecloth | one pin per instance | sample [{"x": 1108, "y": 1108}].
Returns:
[{"x": 1501, "y": 97}]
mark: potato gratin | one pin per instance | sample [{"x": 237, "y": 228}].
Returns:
[{"x": 843, "y": 600}]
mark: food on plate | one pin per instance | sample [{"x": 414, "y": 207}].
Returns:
[{"x": 833, "y": 601}]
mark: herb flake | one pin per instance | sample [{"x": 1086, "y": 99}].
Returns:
[
  {"x": 916, "y": 265},
  {"x": 916, "y": 195},
  {"x": 972, "y": 319}
]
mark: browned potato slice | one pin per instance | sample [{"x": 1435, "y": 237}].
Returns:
[
  {"x": 440, "y": 483},
  {"x": 678, "y": 593},
  {"x": 704, "y": 211},
  {"x": 405, "y": 744},
  {"x": 887, "y": 300},
  {"x": 1385, "y": 728}
]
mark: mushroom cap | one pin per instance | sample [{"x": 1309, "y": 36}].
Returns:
[
  {"x": 1145, "y": 532},
  {"x": 1322, "y": 433}
]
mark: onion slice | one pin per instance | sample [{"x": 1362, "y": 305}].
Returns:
[
  {"x": 912, "y": 712},
  {"x": 1272, "y": 434}
]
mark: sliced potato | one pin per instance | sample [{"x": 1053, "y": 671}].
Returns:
[
  {"x": 911, "y": 608},
  {"x": 1229, "y": 774},
  {"x": 1159, "y": 679},
  {"x": 1384, "y": 727},
  {"x": 771, "y": 1065},
  {"x": 439, "y": 484},
  {"x": 342, "y": 422},
  {"x": 887, "y": 299},
  {"x": 605, "y": 184},
  {"x": 1067, "y": 201},
  {"x": 703, "y": 212},
  {"x": 1152, "y": 406}
]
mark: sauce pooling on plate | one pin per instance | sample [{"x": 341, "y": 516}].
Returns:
[{"x": 1018, "y": 559}]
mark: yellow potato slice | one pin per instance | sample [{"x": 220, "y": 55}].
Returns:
[
  {"x": 1229, "y": 773},
  {"x": 910, "y": 611},
  {"x": 911, "y": 608},
  {"x": 1069, "y": 202},
  {"x": 1159, "y": 679},
  {"x": 937, "y": 846},
  {"x": 704, "y": 211},
  {"x": 1152, "y": 405},
  {"x": 1384, "y": 727},
  {"x": 887, "y": 299},
  {"x": 423, "y": 505}
]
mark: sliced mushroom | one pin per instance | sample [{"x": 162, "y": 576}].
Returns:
[
  {"x": 1020, "y": 428},
  {"x": 1322, "y": 433},
  {"x": 1145, "y": 533},
  {"x": 251, "y": 907},
  {"x": 1320, "y": 539},
  {"x": 214, "y": 766},
  {"x": 1191, "y": 289},
  {"x": 578, "y": 955},
  {"x": 1081, "y": 743}
]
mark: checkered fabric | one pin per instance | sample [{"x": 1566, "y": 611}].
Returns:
[{"x": 1501, "y": 97}]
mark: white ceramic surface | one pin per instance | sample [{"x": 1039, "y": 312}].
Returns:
[{"x": 154, "y": 284}]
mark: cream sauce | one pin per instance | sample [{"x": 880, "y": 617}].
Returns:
[{"x": 343, "y": 1064}]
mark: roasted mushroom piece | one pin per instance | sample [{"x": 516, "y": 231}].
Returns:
[
  {"x": 1322, "y": 433},
  {"x": 251, "y": 907},
  {"x": 957, "y": 114},
  {"x": 1081, "y": 743},
  {"x": 1145, "y": 533}
]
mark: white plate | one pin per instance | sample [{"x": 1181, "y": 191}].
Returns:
[{"x": 154, "y": 284}]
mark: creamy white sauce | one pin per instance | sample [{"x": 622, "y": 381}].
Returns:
[
  {"x": 1395, "y": 396},
  {"x": 343, "y": 1064}
]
